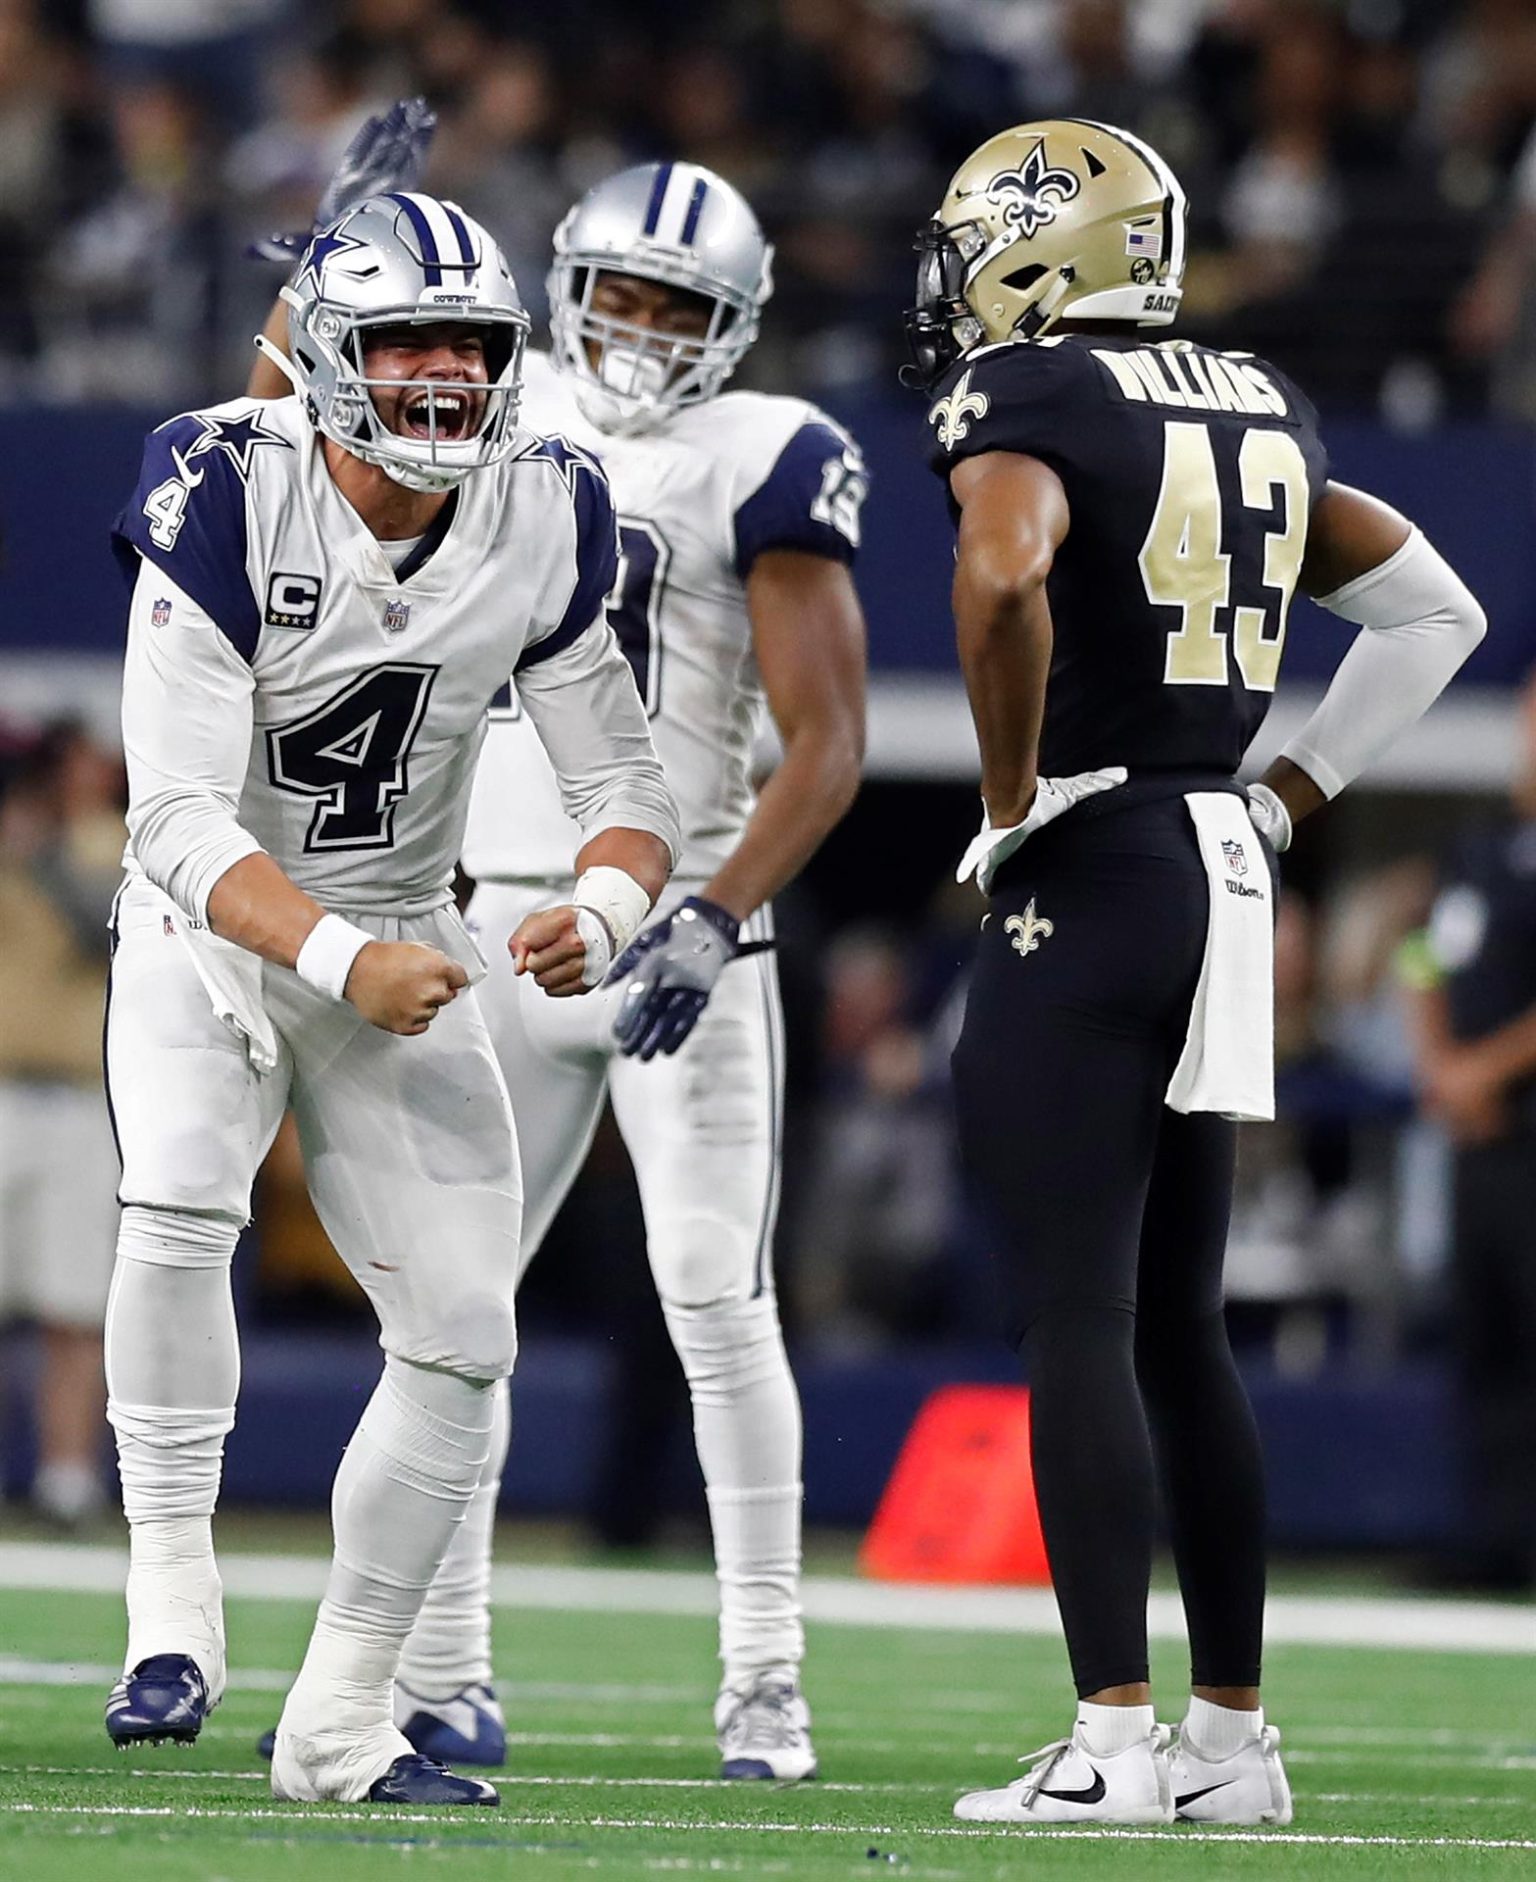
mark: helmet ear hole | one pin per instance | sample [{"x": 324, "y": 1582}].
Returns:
[{"x": 1024, "y": 278}]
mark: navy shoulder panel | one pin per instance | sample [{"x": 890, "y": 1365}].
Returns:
[
  {"x": 187, "y": 515},
  {"x": 810, "y": 500},
  {"x": 1025, "y": 396},
  {"x": 597, "y": 546}
]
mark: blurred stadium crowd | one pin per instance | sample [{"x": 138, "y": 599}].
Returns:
[{"x": 1361, "y": 172}]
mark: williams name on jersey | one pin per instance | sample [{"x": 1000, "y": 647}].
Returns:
[
  {"x": 699, "y": 497},
  {"x": 1190, "y": 475}
]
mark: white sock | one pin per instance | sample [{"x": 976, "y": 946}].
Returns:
[
  {"x": 173, "y": 1372},
  {"x": 450, "y": 1645},
  {"x": 1217, "y": 1732},
  {"x": 404, "y": 1485},
  {"x": 1110, "y": 1729},
  {"x": 746, "y": 1423}
]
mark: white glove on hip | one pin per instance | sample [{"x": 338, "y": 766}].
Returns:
[{"x": 990, "y": 848}]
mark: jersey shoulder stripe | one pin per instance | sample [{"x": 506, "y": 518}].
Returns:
[
  {"x": 810, "y": 499},
  {"x": 188, "y": 513},
  {"x": 596, "y": 548}
]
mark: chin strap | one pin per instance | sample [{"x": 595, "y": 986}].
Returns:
[{"x": 281, "y": 361}]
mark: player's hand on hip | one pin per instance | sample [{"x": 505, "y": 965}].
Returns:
[
  {"x": 553, "y": 944},
  {"x": 399, "y": 986},
  {"x": 991, "y": 847},
  {"x": 667, "y": 973}
]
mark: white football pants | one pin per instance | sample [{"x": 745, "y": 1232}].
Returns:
[
  {"x": 412, "y": 1163},
  {"x": 702, "y": 1129}
]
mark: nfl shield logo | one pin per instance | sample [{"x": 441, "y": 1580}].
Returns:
[
  {"x": 160, "y": 614},
  {"x": 1237, "y": 857},
  {"x": 395, "y": 617}
]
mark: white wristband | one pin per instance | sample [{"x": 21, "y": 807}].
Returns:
[
  {"x": 326, "y": 957},
  {"x": 615, "y": 895}
]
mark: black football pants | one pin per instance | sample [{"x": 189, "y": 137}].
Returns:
[{"x": 1110, "y": 1219}]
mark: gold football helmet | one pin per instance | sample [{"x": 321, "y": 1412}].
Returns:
[{"x": 1063, "y": 219}]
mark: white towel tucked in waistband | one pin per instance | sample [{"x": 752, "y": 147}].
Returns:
[
  {"x": 1228, "y": 1061},
  {"x": 233, "y": 977}
]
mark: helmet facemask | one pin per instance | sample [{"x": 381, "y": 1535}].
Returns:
[
  {"x": 629, "y": 377},
  {"x": 342, "y": 393},
  {"x": 398, "y": 261}
]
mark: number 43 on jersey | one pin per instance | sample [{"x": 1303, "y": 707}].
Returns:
[{"x": 1184, "y": 565}]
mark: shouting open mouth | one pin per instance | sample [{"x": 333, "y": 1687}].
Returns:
[{"x": 455, "y": 410}]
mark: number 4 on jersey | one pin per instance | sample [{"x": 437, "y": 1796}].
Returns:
[{"x": 351, "y": 754}]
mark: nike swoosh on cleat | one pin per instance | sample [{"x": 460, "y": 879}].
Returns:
[
  {"x": 1190, "y": 1797},
  {"x": 1091, "y": 1794}
]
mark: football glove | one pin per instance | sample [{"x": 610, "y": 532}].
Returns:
[
  {"x": 388, "y": 152},
  {"x": 990, "y": 848},
  {"x": 1269, "y": 817},
  {"x": 669, "y": 970}
]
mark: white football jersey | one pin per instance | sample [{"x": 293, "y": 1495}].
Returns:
[
  {"x": 269, "y": 623},
  {"x": 698, "y": 499}
]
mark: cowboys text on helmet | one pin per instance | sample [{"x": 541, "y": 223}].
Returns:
[
  {"x": 397, "y": 263},
  {"x": 679, "y": 224},
  {"x": 1065, "y": 219}
]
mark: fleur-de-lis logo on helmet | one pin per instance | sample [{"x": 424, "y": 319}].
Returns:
[
  {"x": 1030, "y": 196},
  {"x": 953, "y": 415}
]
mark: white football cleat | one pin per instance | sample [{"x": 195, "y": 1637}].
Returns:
[
  {"x": 1071, "y": 1784},
  {"x": 1248, "y": 1787},
  {"x": 765, "y": 1732}
]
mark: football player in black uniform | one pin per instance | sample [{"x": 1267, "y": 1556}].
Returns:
[{"x": 1133, "y": 518}]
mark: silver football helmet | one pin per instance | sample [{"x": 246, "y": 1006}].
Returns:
[
  {"x": 676, "y": 223},
  {"x": 401, "y": 260}
]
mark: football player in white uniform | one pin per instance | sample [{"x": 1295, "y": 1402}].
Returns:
[
  {"x": 326, "y": 593},
  {"x": 738, "y": 522}
]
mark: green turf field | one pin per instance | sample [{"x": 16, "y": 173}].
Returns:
[{"x": 1405, "y": 1763}]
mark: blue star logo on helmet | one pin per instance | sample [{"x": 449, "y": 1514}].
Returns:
[
  {"x": 240, "y": 437},
  {"x": 1031, "y": 195},
  {"x": 327, "y": 243}
]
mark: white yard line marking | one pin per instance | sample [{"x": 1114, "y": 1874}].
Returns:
[
  {"x": 1293, "y": 1620},
  {"x": 361, "y": 1813}
]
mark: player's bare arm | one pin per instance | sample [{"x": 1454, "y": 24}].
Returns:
[
  {"x": 1367, "y": 563},
  {"x": 397, "y": 986},
  {"x": 1013, "y": 518},
  {"x": 808, "y": 638}
]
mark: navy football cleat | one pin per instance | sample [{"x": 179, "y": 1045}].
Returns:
[
  {"x": 417, "y": 1780},
  {"x": 164, "y": 1697},
  {"x": 467, "y": 1729}
]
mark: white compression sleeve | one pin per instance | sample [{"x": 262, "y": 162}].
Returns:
[{"x": 1420, "y": 621}]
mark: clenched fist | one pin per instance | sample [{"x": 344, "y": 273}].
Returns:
[
  {"x": 399, "y": 986},
  {"x": 549, "y": 945}
]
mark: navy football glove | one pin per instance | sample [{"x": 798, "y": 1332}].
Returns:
[
  {"x": 389, "y": 152},
  {"x": 669, "y": 970}
]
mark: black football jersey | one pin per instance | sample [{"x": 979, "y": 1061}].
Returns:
[{"x": 1190, "y": 475}]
